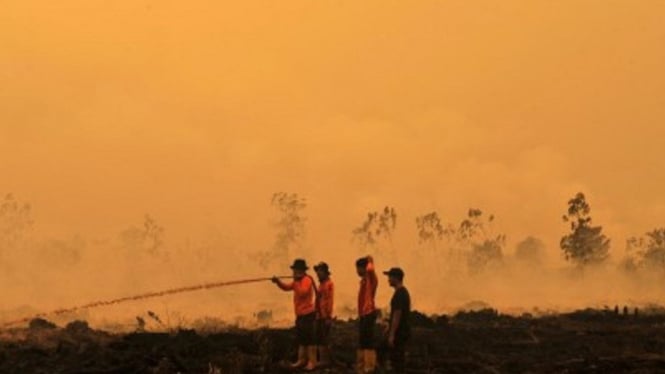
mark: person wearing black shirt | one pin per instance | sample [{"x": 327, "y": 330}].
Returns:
[{"x": 398, "y": 331}]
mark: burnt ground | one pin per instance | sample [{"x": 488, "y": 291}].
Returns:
[{"x": 474, "y": 342}]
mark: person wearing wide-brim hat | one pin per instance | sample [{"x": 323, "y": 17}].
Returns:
[
  {"x": 324, "y": 316},
  {"x": 304, "y": 291}
]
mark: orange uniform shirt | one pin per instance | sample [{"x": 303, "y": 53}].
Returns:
[
  {"x": 368, "y": 285},
  {"x": 303, "y": 295},
  {"x": 326, "y": 299}
]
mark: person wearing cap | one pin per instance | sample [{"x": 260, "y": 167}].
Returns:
[
  {"x": 367, "y": 313},
  {"x": 324, "y": 306},
  {"x": 304, "y": 291},
  {"x": 398, "y": 331}
]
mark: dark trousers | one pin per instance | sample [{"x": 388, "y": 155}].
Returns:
[
  {"x": 366, "y": 326},
  {"x": 305, "y": 329},
  {"x": 396, "y": 354},
  {"x": 323, "y": 326}
]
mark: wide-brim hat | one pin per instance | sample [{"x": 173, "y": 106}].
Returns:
[
  {"x": 323, "y": 267},
  {"x": 299, "y": 264}
]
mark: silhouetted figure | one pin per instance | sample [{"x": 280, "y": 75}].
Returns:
[
  {"x": 637, "y": 312},
  {"x": 398, "y": 331},
  {"x": 616, "y": 310},
  {"x": 625, "y": 310}
]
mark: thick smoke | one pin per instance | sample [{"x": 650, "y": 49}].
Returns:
[
  {"x": 450, "y": 266},
  {"x": 147, "y": 141}
]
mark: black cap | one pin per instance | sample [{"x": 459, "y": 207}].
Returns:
[
  {"x": 299, "y": 264},
  {"x": 323, "y": 267},
  {"x": 395, "y": 272}
]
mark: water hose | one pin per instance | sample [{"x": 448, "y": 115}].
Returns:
[{"x": 143, "y": 296}]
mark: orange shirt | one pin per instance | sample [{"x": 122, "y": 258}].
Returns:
[
  {"x": 303, "y": 295},
  {"x": 326, "y": 299},
  {"x": 368, "y": 285}
]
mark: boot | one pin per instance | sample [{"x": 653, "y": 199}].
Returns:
[
  {"x": 370, "y": 361},
  {"x": 360, "y": 361},
  {"x": 311, "y": 356},
  {"x": 302, "y": 358},
  {"x": 324, "y": 356}
]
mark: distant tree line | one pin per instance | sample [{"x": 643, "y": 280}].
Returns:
[{"x": 473, "y": 238}]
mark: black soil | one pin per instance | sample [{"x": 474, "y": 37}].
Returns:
[{"x": 588, "y": 341}]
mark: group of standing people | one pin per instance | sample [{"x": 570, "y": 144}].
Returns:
[{"x": 314, "y": 317}]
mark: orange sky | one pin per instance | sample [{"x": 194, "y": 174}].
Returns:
[{"x": 197, "y": 111}]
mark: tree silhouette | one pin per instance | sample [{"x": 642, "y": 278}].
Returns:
[
  {"x": 586, "y": 244},
  {"x": 530, "y": 250},
  {"x": 430, "y": 228},
  {"x": 648, "y": 251},
  {"x": 474, "y": 237},
  {"x": 148, "y": 239},
  {"x": 474, "y": 225},
  {"x": 15, "y": 222},
  {"x": 290, "y": 228},
  {"x": 485, "y": 253},
  {"x": 377, "y": 226}
]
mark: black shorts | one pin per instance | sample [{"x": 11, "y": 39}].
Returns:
[
  {"x": 323, "y": 327},
  {"x": 305, "y": 329},
  {"x": 366, "y": 327}
]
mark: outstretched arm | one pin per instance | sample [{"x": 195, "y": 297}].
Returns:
[
  {"x": 283, "y": 286},
  {"x": 371, "y": 271}
]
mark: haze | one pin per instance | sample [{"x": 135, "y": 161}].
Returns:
[{"x": 197, "y": 112}]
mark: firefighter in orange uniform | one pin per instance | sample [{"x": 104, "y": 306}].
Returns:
[
  {"x": 367, "y": 314},
  {"x": 304, "y": 291},
  {"x": 324, "y": 304}
]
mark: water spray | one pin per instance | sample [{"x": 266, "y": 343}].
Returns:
[{"x": 144, "y": 296}]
